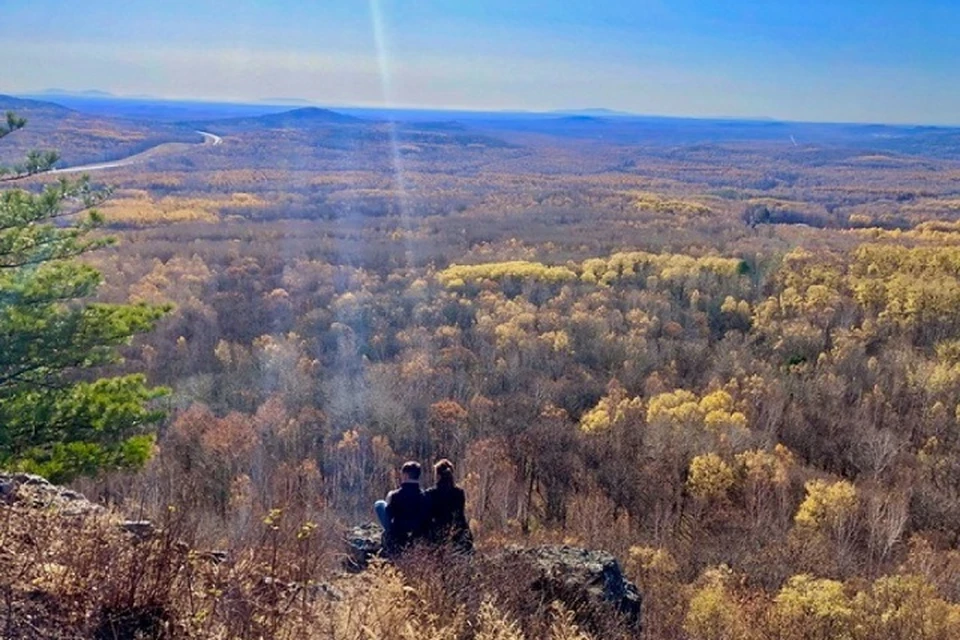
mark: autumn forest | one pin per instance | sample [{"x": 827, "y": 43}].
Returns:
[{"x": 728, "y": 353}]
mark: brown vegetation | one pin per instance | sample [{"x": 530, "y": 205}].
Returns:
[{"x": 734, "y": 366}]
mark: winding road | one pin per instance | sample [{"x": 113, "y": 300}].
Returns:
[{"x": 209, "y": 140}]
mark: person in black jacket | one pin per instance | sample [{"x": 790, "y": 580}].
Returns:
[
  {"x": 446, "y": 503},
  {"x": 404, "y": 513}
]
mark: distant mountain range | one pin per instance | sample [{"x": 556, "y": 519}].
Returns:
[
  {"x": 168, "y": 120},
  {"x": 88, "y": 93}
]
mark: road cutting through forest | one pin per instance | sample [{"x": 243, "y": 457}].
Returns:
[{"x": 209, "y": 139}]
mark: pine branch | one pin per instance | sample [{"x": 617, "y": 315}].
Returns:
[
  {"x": 35, "y": 163},
  {"x": 50, "y": 332},
  {"x": 13, "y": 123}
]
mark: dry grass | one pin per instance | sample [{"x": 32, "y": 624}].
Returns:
[{"x": 83, "y": 577}]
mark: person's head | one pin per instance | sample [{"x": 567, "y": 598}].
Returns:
[
  {"x": 410, "y": 472},
  {"x": 443, "y": 471}
]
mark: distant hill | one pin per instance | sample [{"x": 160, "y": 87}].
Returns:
[
  {"x": 89, "y": 93},
  {"x": 81, "y": 138},
  {"x": 26, "y": 106},
  {"x": 303, "y": 118},
  {"x": 582, "y": 119},
  {"x": 940, "y": 142},
  {"x": 598, "y": 111},
  {"x": 157, "y": 110}
]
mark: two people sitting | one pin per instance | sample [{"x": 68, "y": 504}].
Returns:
[{"x": 436, "y": 515}]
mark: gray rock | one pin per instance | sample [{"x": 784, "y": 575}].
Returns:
[
  {"x": 364, "y": 543},
  {"x": 139, "y": 529},
  {"x": 7, "y": 490},
  {"x": 30, "y": 480},
  {"x": 214, "y": 557},
  {"x": 581, "y": 578},
  {"x": 28, "y": 490}
]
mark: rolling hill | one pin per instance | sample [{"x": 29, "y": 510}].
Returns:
[
  {"x": 82, "y": 138},
  {"x": 302, "y": 118}
]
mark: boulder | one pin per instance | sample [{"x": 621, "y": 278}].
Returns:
[
  {"x": 581, "y": 578},
  {"x": 139, "y": 529},
  {"x": 364, "y": 543},
  {"x": 7, "y": 489},
  {"x": 33, "y": 491}
]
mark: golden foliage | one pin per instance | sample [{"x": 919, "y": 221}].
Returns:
[
  {"x": 614, "y": 409},
  {"x": 646, "y": 201},
  {"x": 714, "y": 613},
  {"x": 714, "y": 412},
  {"x": 808, "y": 608},
  {"x": 458, "y": 275},
  {"x": 709, "y": 477},
  {"x": 827, "y": 505},
  {"x": 668, "y": 268},
  {"x": 138, "y": 207}
]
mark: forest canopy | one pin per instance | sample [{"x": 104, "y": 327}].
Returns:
[{"x": 736, "y": 366}]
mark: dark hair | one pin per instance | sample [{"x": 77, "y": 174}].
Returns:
[
  {"x": 411, "y": 469},
  {"x": 443, "y": 471}
]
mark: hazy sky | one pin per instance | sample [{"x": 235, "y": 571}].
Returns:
[{"x": 839, "y": 60}]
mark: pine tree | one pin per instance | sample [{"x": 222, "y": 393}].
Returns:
[{"x": 57, "y": 417}]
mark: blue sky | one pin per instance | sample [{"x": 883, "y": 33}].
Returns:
[{"x": 842, "y": 60}]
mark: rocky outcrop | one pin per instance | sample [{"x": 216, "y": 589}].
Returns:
[
  {"x": 364, "y": 543},
  {"x": 35, "y": 492},
  {"x": 581, "y": 578},
  {"x": 587, "y": 581},
  {"x": 28, "y": 490}
]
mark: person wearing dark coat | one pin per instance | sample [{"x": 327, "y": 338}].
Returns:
[
  {"x": 404, "y": 514},
  {"x": 446, "y": 504}
]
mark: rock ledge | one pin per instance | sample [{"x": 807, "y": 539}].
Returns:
[
  {"x": 576, "y": 576},
  {"x": 28, "y": 490}
]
